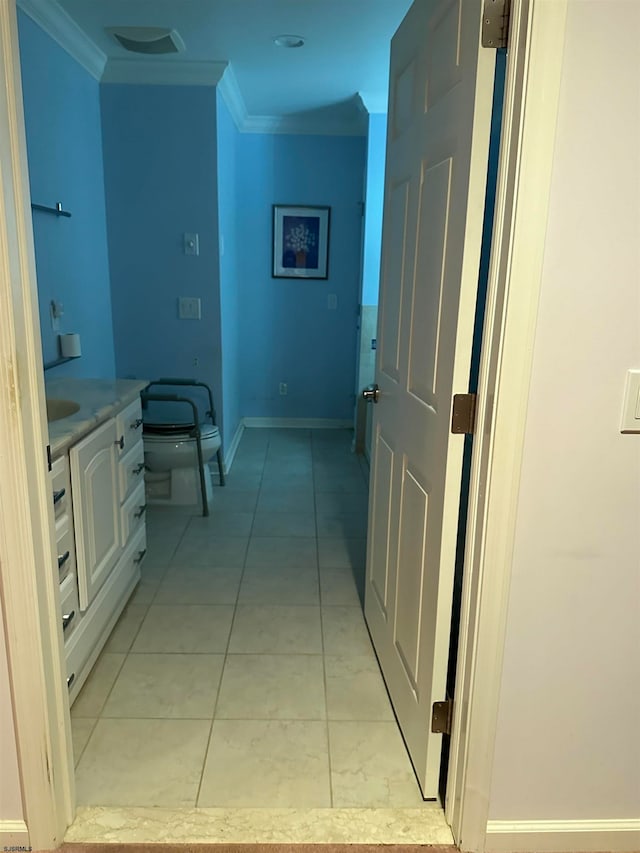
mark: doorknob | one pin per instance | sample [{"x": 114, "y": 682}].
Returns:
[{"x": 371, "y": 393}]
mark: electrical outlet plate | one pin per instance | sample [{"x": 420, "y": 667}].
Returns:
[{"x": 191, "y": 243}]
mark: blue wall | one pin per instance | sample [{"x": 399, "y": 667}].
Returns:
[
  {"x": 229, "y": 292},
  {"x": 376, "y": 152},
  {"x": 160, "y": 175},
  {"x": 288, "y": 334},
  {"x": 64, "y": 144}
]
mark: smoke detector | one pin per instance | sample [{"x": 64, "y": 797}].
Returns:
[{"x": 150, "y": 40}]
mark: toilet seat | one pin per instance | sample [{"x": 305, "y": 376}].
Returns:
[{"x": 177, "y": 432}]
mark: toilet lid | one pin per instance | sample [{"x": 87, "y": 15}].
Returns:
[{"x": 174, "y": 430}]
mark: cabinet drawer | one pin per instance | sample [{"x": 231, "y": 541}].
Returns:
[
  {"x": 131, "y": 469},
  {"x": 60, "y": 486},
  {"x": 69, "y": 607},
  {"x": 65, "y": 549},
  {"x": 129, "y": 425},
  {"x": 133, "y": 513}
]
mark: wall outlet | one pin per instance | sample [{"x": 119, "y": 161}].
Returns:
[
  {"x": 283, "y": 389},
  {"x": 191, "y": 244}
]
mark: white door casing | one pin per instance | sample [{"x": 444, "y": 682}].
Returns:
[{"x": 441, "y": 88}]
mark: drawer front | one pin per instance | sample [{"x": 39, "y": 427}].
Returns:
[
  {"x": 129, "y": 424},
  {"x": 65, "y": 549},
  {"x": 61, "y": 494},
  {"x": 131, "y": 470},
  {"x": 87, "y": 642},
  {"x": 133, "y": 513},
  {"x": 69, "y": 606}
]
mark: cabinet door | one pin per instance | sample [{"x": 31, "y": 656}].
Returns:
[{"x": 96, "y": 508}]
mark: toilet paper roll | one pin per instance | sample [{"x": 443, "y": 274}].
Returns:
[{"x": 70, "y": 346}]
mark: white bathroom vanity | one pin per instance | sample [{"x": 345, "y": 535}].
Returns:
[{"x": 97, "y": 483}]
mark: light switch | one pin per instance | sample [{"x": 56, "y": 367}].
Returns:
[
  {"x": 631, "y": 405},
  {"x": 189, "y": 308},
  {"x": 332, "y": 301},
  {"x": 191, "y": 244}
]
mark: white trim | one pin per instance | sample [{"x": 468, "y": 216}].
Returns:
[
  {"x": 13, "y": 833},
  {"x": 526, "y": 156},
  {"x": 374, "y": 104},
  {"x": 163, "y": 72},
  {"x": 298, "y": 423},
  {"x": 555, "y": 836},
  {"x": 230, "y": 452},
  {"x": 310, "y": 125},
  {"x": 53, "y": 19},
  {"x": 292, "y": 124},
  {"x": 232, "y": 96},
  {"x": 30, "y": 592}
]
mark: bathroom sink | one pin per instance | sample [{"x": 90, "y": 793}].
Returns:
[{"x": 58, "y": 409}]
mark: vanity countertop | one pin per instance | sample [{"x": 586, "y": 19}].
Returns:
[{"x": 99, "y": 399}]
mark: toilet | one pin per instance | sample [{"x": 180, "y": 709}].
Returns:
[{"x": 172, "y": 476}]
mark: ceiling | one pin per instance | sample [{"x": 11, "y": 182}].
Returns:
[{"x": 346, "y": 51}]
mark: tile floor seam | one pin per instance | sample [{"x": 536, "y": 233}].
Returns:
[
  {"x": 224, "y": 664},
  {"x": 324, "y": 664}
]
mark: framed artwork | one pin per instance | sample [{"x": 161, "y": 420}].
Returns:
[{"x": 300, "y": 241}]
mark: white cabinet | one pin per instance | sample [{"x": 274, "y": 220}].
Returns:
[
  {"x": 96, "y": 508},
  {"x": 103, "y": 541}
]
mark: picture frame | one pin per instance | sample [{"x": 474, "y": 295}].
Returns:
[{"x": 300, "y": 241}]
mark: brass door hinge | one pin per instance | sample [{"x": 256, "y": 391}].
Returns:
[
  {"x": 441, "y": 717},
  {"x": 463, "y": 414},
  {"x": 495, "y": 23}
]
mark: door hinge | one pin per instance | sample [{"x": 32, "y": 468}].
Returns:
[
  {"x": 463, "y": 415},
  {"x": 441, "y": 717},
  {"x": 49, "y": 456},
  {"x": 495, "y": 23}
]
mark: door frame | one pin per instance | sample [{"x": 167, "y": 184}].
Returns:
[{"x": 28, "y": 591}]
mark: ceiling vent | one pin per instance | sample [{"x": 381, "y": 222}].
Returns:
[{"x": 149, "y": 40}]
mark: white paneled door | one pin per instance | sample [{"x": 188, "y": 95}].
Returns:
[{"x": 441, "y": 90}]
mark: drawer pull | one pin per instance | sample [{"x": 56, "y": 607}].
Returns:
[
  {"x": 136, "y": 424},
  {"x": 67, "y": 618},
  {"x": 140, "y": 556},
  {"x": 57, "y": 496},
  {"x": 141, "y": 511},
  {"x": 62, "y": 559},
  {"x": 71, "y": 679},
  {"x": 120, "y": 442},
  {"x": 138, "y": 469}
]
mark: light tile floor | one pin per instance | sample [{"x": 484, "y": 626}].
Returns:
[{"x": 241, "y": 674}]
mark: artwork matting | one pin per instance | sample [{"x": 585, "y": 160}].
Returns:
[{"x": 300, "y": 241}]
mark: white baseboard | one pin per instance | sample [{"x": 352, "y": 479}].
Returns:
[
  {"x": 299, "y": 423},
  {"x": 230, "y": 452},
  {"x": 13, "y": 833},
  {"x": 560, "y": 836}
]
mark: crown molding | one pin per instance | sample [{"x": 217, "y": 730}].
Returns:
[
  {"x": 292, "y": 124},
  {"x": 306, "y": 125},
  {"x": 374, "y": 104},
  {"x": 158, "y": 72},
  {"x": 232, "y": 96},
  {"x": 53, "y": 19}
]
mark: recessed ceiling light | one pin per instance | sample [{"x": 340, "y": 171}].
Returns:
[{"x": 288, "y": 41}]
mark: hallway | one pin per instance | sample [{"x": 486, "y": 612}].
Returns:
[{"x": 241, "y": 673}]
